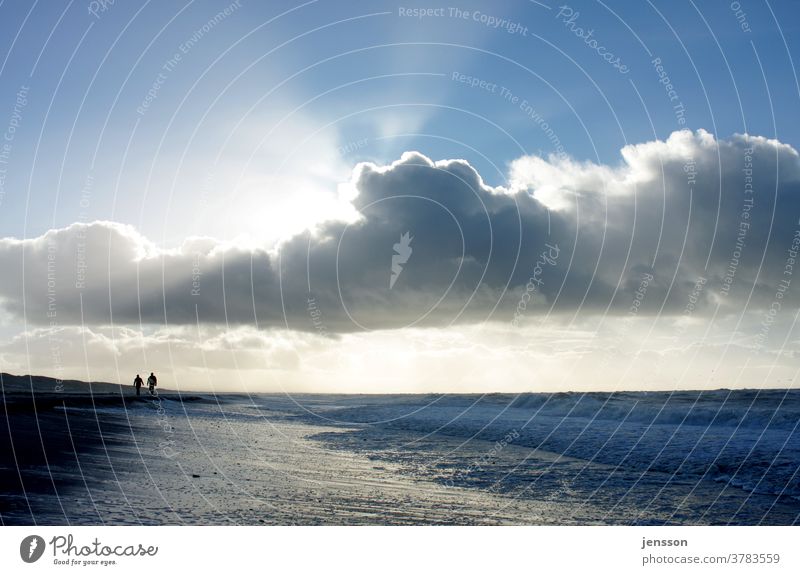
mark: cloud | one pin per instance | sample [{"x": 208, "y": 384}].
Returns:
[
  {"x": 182, "y": 354},
  {"x": 688, "y": 207},
  {"x": 543, "y": 355}
]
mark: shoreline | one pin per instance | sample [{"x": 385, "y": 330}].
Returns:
[
  {"x": 22, "y": 383},
  {"x": 108, "y": 457}
]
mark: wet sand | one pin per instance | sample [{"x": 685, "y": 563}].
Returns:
[
  {"x": 76, "y": 457},
  {"x": 108, "y": 460}
]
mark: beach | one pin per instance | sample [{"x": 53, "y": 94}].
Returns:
[{"x": 98, "y": 455}]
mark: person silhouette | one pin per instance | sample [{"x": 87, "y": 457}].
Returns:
[
  {"x": 152, "y": 382},
  {"x": 138, "y": 383}
]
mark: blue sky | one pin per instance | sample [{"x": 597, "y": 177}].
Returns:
[
  {"x": 374, "y": 77},
  {"x": 264, "y": 150}
]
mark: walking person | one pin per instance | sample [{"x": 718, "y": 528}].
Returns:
[
  {"x": 152, "y": 382},
  {"x": 138, "y": 383}
]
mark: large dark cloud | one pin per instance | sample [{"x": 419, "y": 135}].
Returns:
[{"x": 474, "y": 247}]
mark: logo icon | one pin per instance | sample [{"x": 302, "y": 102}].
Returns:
[
  {"x": 31, "y": 549},
  {"x": 403, "y": 252}
]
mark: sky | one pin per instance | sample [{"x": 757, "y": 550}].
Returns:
[{"x": 372, "y": 196}]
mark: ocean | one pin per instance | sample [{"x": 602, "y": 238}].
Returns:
[{"x": 684, "y": 458}]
